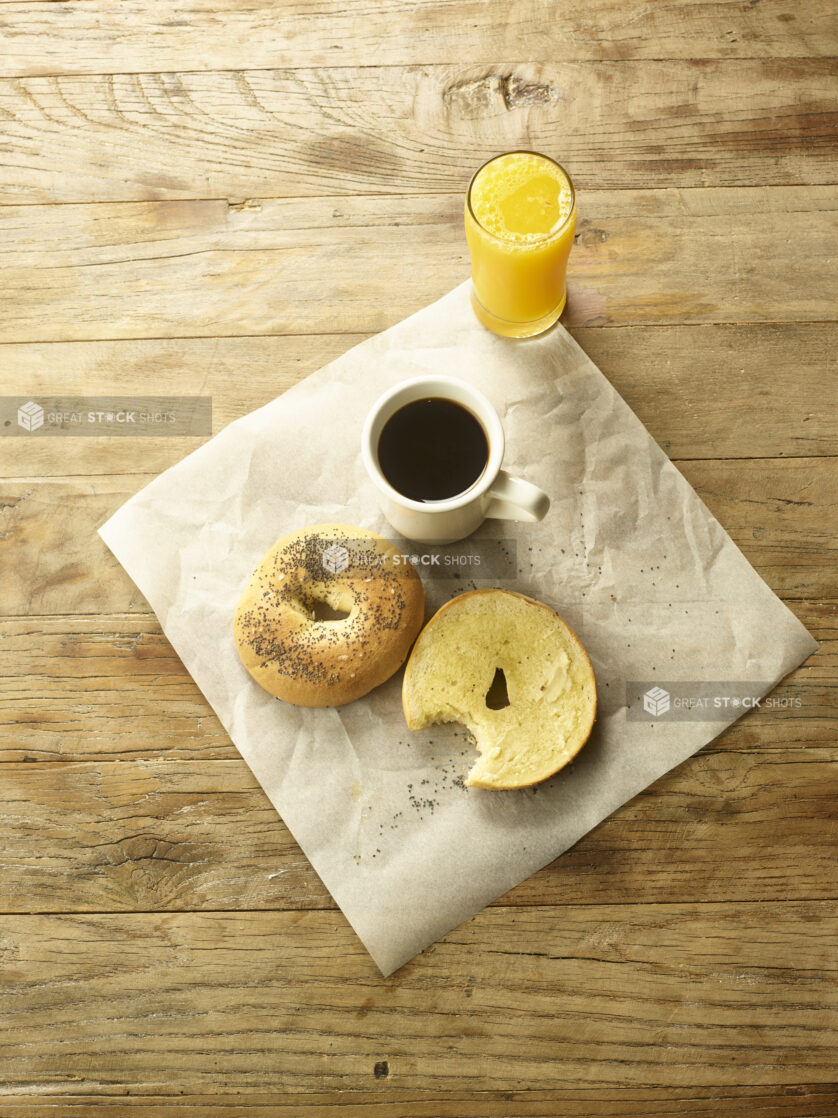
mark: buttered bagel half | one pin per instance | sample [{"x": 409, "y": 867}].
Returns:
[
  {"x": 329, "y": 613},
  {"x": 550, "y": 685}
]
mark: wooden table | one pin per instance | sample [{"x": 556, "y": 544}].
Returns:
[{"x": 216, "y": 199}]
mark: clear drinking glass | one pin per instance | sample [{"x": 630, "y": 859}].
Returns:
[{"x": 520, "y": 217}]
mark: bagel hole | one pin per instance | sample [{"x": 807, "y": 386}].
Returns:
[
  {"x": 497, "y": 697},
  {"x": 322, "y": 611}
]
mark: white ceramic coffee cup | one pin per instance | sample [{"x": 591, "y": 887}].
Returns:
[{"x": 494, "y": 494}]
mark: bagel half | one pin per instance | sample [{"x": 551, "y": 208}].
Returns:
[
  {"x": 549, "y": 681},
  {"x": 315, "y": 662}
]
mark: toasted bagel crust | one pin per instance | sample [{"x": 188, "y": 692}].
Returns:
[{"x": 324, "y": 663}]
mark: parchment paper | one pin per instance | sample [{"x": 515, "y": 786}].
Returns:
[{"x": 628, "y": 554}]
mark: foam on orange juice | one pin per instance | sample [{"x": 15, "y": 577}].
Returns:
[{"x": 520, "y": 219}]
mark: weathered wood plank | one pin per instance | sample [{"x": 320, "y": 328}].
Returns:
[
  {"x": 414, "y": 130},
  {"x": 618, "y": 995},
  {"x": 230, "y": 34},
  {"x": 96, "y": 688},
  {"x": 810, "y": 1100},
  {"x": 145, "y": 836},
  {"x": 51, "y": 530},
  {"x": 137, "y": 837},
  {"x": 783, "y": 558},
  {"x": 204, "y": 268},
  {"x": 721, "y": 391},
  {"x": 780, "y": 512},
  {"x": 108, "y": 688},
  {"x": 725, "y": 391}
]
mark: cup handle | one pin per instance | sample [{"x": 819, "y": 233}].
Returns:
[{"x": 512, "y": 498}]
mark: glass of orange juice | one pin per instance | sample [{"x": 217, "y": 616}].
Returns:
[{"x": 520, "y": 218}]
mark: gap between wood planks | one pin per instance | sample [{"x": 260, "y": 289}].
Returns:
[
  {"x": 756, "y": 322},
  {"x": 253, "y": 201},
  {"x": 336, "y": 67},
  {"x": 791, "y": 1100},
  {"x": 25, "y": 478},
  {"x": 170, "y": 910}
]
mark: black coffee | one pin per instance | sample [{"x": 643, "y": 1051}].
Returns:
[{"x": 432, "y": 449}]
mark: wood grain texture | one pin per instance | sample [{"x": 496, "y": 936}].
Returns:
[
  {"x": 713, "y": 391},
  {"x": 810, "y": 1100},
  {"x": 217, "y": 198},
  {"x": 234, "y": 34},
  {"x": 625, "y": 995},
  {"x": 413, "y": 130},
  {"x": 43, "y": 37},
  {"x": 780, "y": 512},
  {"x": 204, "y": 268},
  {"x": 764, "y": 484},
  {"x": 153, "y": 836},
  {"x": 112, "y": 688}
]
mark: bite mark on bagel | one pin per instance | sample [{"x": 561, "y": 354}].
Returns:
[{"x": 551, "y": 689}]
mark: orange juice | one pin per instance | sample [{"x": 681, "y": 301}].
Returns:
[{"x": 520, "y": 218}]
